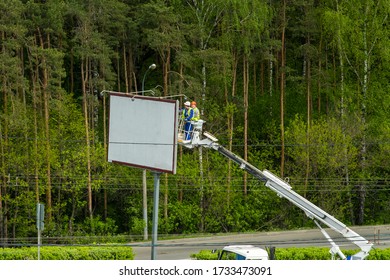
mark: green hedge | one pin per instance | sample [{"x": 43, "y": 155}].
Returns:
[
  {"x": 126, "y": 253},
  {"x": 303, "y": 254},
  {"x": 68, "y": 253}
]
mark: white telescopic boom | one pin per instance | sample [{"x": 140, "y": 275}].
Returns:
[{"x": 283, "y": 189}]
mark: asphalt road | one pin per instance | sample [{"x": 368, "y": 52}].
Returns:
[{"x": 177, "y": 249}]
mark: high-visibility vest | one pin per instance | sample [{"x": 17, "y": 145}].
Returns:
[
  {"x": 187, "y": 113},
  {"x": 196, "y": 116}
]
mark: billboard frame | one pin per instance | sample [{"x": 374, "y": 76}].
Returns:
[{"x": 168, "y": 131}]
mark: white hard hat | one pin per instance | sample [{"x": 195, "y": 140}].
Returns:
[{"x": 187, "y": 103}]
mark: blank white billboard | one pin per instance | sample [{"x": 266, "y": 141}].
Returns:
[{"x": 143, "y": 132}]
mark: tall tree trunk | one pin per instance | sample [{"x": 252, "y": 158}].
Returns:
[
  {"x": 271, "y": 83},
  {"x": 246, "y": 101},
  {"x": 229, "y": 122},
  {"x": 364, "y": 83},
  {"x": 308, "y": 119},
  {"x": 84, "y": 78},
  {"x": 35, "y": 99},
  {"x": 71, "y": 71},
  {"x": 181, "y": 192},
  {"x": 166, "y": 69},
  {"x": 254, "y": 83},
  {"x": 36, "y": 149},
  {"x": 46, "y": 97},
  {"x": 125, "y": 68},
  {"x": 47, "y": 144},
  {"x": 282, "y": 87},
  {"x": 343, "y": 116},
  {"x": 130, "y": 70},
  {"x": 3, "y": 231},
  {"x": 105, "y": 145},
  {"x": 320, "y": 75},
  {"x": 3, "y": 145},
  {"x": 262, "y": 73}
]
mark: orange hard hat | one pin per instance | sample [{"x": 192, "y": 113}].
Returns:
[{"x": 193, "y": 103}]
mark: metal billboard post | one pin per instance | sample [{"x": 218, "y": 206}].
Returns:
[{"x": 156, "y": 198}]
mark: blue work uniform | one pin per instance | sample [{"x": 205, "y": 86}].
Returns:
[{"x": 188, "y": 114}]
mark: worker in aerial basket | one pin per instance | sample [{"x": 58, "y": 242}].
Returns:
[
  {"x": 195, "y": 109},
  {"x": 187, "y": 116}
]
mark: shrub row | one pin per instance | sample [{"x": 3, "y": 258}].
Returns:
[
  {"x": 126, "y": 253},
  {"x": 303, "y": 254},
  {"x": 68, "y": 253}
]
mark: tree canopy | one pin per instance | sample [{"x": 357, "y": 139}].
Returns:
[{"x": 297, "y": 87}]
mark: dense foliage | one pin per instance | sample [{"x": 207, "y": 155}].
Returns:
[{"x": 297, "y": 87}]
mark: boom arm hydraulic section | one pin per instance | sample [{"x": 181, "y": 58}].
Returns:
[{"x": 283, "y": 189}]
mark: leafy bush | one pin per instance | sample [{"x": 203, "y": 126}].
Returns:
[
  {"x": 205, "y": 255},
  {"x": 68, "y": 253}
]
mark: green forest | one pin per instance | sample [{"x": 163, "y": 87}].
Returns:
[{"x": 298, "y": 87}]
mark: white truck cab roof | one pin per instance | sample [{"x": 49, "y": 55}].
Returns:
[{"x": 243, "y": 252}]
